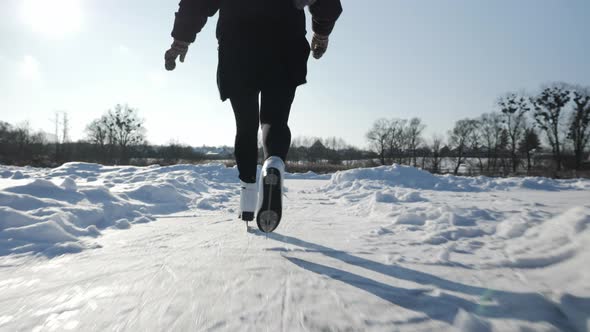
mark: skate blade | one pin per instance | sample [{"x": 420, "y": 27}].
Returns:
[
  {"x": 269, "y": 216},
  {"x": 268, "y": 221}
]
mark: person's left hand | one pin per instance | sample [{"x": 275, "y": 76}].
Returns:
[
  {"x": 177, "y": 49},
  {"x": 301, "y": 4}
]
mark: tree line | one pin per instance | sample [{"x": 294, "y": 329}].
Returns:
[
  {"x": 539, "y": 134},
  {"x": 117, "y": 137},
  {"x": 330, "y": 150},
  {"x": 549, "y": 130}
]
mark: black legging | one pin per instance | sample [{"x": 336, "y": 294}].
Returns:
[{"x": 273, "y": 113}]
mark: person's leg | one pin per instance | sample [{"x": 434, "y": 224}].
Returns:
[
  {"x": 246, "y": 110},
  {"x": 274, "y": 117}
]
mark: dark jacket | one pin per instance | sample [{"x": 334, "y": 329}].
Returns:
[{"x": 261, "y": 42}]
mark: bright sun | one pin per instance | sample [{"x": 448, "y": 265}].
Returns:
[{"x": 54, "y": 18}]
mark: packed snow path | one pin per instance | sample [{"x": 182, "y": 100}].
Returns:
[{"x": 354, "y": 259}]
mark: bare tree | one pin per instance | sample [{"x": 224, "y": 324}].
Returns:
[
  {"x": 117, "y": 129},
  {"x": 502, "y": 151},
  {"x": 435, "y": 148},
  {"x": 128, "y": 127},
  {"x": 459, "y": 140},
  {"x": 414, "y": 137},
  {"x": 21, "y": 145},
  {"x": 378, "y": 138},
  {"x": 491, "y": 134},
  {"x": 549, "y": 105},
  {"x": 396, "y": 139},
  {"x": 97, "y": 134},
  {"x": 6, "y": 132},
  {"x": 529, "y": 143},
  {"x": 474, "y": 143},
  {"x": 514, "y": 108},
  {"x": 579, "y": 124},
  {"x": 23, "y": 135}
]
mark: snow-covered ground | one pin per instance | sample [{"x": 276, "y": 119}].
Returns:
[{"x": 90, "y": 248}]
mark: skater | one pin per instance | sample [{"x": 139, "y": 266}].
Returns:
[{"x": 263, "y": 52}]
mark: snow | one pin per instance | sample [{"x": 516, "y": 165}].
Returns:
[
  {"x": 54, "y": 208},
  {"x": 90, "y": 247},
  {"x": 79, "y": 200},
  {"x": 410, "y": 177}
]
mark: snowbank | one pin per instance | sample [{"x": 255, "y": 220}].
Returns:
[
  {"x": 54, "y": 211},
  {"x": 513, "y": 222},
  {"x": 552, "y": 241},
  {"x": 410, "y": 177},
  {"x": 307, "y": 176},
  {"x": 365, "y": 189}
]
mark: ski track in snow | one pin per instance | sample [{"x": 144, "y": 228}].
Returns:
[{"x": 91, "y": 248}]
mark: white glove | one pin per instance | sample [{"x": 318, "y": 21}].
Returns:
[{"x": 178, "y": 48}]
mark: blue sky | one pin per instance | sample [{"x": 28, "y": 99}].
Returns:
[{"x": 440, "y": 60}]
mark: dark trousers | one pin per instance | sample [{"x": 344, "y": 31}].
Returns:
[{"x": 272, "y": 114}]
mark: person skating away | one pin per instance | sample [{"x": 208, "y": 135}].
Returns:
[{"x": 263, "y": 51}]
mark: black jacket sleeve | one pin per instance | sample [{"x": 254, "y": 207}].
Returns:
[
  {"x": 324, "y": 14},
  {"x": 191, "y": 18}
]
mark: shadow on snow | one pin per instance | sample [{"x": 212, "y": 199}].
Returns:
[{"x": 492, "y": 303}]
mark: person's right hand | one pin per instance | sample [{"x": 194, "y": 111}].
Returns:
[
  {"x": 177, "y": 49},
  {"x": 319, "y": 45}
]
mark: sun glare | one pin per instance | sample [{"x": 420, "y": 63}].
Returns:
[{"x": 54, "y": 18}]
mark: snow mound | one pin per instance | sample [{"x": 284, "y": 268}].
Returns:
[
  {"x": 445, "y": 224},
  {"x": 46, "y": 189},
  {"x": 395, "y": 175},
  {"x": 160, "y": 193},
  {"x": 56, "y": 225},
  {"x": 553, "y": 241},
  {"x": 307, "y": 176},
  {"x": 20, "y": 232},
  {"x": 380, "y": 192},
  {"x": 502, "y": 237},
  {"x": 69, "y": 184},
  {"x": 411, "y": 177},
  {"x": 56, "y": 211}
]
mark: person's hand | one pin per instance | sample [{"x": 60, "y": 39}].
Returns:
[
  {"x": 177, "y": 49},
  {"x": 319, "y": 45},
  {"x": 300, "y": 4}
]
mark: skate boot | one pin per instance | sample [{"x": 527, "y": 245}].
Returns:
[
  {"x": 248, "y": 200},
  {"x": 270, "y": 194}
]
